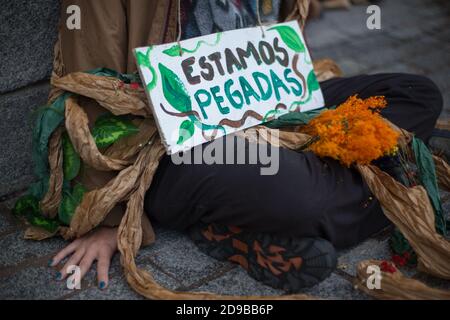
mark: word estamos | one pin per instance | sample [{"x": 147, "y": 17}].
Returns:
[{"x": 261, "y": 85}]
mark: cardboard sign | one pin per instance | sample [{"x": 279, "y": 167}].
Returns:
[{"x": 228, "y": 81}]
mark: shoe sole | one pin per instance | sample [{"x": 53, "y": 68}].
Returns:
[{"x": 290, "y": 264}]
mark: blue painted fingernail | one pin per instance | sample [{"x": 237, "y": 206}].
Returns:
[
  {"x": 58, "y": 276},
  {"x": 102, "y": 285},
  {"x": 50, "y": 262}
]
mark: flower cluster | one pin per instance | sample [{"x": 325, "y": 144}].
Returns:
[
  {"x": 354, "y": 132},
  {"x": 388, "y": 267},
  {"x": 401, "y": 260}
]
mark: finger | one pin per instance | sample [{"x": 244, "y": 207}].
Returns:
[
  {"x": 74, "y": 260},
  {"x": 86, "y": 262},
  {"x": 103, "y": 263},
  {"x": 64, "y": 253}
]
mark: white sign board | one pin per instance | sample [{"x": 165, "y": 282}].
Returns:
[{"x": 210, "y": 86}]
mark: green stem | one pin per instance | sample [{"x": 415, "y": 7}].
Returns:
[
  {"x": 203, "y": 126},
  {"x": 152, "y": 83},
  {"x": 199, "y": 43},
  {"x": 296, "y": 103}
]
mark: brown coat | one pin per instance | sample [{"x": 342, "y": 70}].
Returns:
[{"x": 110, "y": 30}]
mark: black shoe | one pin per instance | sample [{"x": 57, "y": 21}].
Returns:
[{"x": 289, "y": 264}]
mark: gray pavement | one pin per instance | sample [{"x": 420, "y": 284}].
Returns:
[{"x": 414, "y": 38}]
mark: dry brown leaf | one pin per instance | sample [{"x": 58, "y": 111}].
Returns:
[
  {"x": 292, "y": 140},
  {"x": 289, "y": 138},
  {"x": 395, "y": 286},
  {"x": 303, "y": 10},
  {"x": 38, "y": 234},
  {"x": 411, "y": 211},
  {"x": 58, "y": 70},
  {"x": 300, "y": 12},
  {"x": 442, "y": 172},
  {"x": 96, "y": 204},
  {"x": 336, "y": 4},
  {"x": 109, "y": 92},
  {"x": 50, "y": 203},
  {"x": 326, "y": 69}
]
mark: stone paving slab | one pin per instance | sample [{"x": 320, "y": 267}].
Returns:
[
  {"x": 34, "y": 279},
  {"x": 32, "y": 283},
  {"x": 119, "y": 289},
  {"x": 237, "y": 282},
  {"x": 336, "y": 288},
  {"x": 8, "y": 223},
  {"x": 5, "y": 223},
  {"x": 16, "y": 250},
  {"x": 184, "y": 261},
  {"x": 15, "y": 129},
  {"x": 28, "y": 33},
  {"x": 370, "y": 249}
]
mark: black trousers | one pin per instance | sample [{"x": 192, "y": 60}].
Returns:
[{"x": 309, "y": 196}]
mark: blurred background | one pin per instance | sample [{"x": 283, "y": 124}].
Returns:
[{"x": 414, "y": 38}]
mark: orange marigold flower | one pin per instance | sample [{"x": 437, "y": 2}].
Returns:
[{"x": 354, "y": 132}]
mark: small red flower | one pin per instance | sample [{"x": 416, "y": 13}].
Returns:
[
  {"x": 386, "y": 266},
  {"x": 399, "y": 261},
  {"x": 134, "y": 85}
]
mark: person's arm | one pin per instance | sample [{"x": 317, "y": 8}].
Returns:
[{"x": 99, "y": 245}]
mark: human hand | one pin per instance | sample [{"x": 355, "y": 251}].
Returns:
[{"x": 99, "y": 245}]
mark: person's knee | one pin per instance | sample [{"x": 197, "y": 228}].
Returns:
[{"x": 433, "y": 96}]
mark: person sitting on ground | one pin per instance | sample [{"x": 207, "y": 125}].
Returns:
[{"x": 284, "y": 229}]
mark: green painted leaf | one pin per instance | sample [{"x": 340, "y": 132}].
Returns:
[
  {"x": 312, "y": 82},
  {"x": 44, "y": 223},
  {"x": 69, "y": 203},
  {"x": 110, "y": 128},
  {"x": 173, "y": 51},
  {"x": 269, "y": 114},
  {"x": 71, "y": 159},
  {"x": 398, "y": 243},
  {"x": 290, "y": 38},
  {"x": 78, "y": 192},
  {"x": 28, "y": 207},
  {"x": 186, "y": 131},
  {"x": 174, "y": 90},
  {"x": 143, "y": 59}
]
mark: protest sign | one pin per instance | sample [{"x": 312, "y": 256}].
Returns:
[{"x": 206, "y": 87}]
